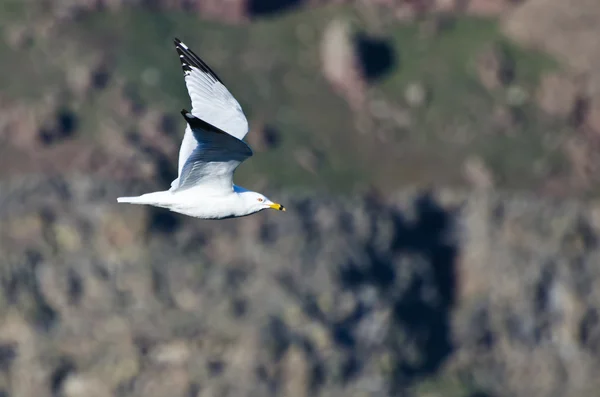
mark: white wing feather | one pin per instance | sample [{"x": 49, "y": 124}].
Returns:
[{"x": 211, "y": 101}]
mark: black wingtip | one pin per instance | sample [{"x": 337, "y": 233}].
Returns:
[
  {"x": 180, "y": 46},
  {"x": 189, "y": 59}
]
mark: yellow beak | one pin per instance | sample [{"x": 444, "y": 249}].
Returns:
[{"x": 277, "y": 207}]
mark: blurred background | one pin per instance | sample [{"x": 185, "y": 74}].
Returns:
[{"x": 438, "y": 159}]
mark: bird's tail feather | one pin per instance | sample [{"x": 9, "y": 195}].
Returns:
[
  {"x": 155, "y": 198},
  {"x": 131, "y": 200}
]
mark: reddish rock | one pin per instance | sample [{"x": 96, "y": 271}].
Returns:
[
  {"x": 488, "y": 7},
  {"x": 228, "y": 11},
  {"x": 592, "y": 117},
  {"x": 558, "y": 94},
  {"x": 341, "y": 65},
  {"x": 477, "y": 173},
  {"x": 568, "y": 30},
  {"x": 583, "y": 158},
  {"x": 494, "y": 67},
  {"x": 307, "y": 159}
]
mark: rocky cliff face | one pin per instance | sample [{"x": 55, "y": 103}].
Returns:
[
  {"x": 442, "y": 293},
  {"x": 423, "y": 293}
]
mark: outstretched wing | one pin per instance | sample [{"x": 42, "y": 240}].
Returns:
[
  {"x": 215, "y": 158},
  {"x": 211, "y": 101}
]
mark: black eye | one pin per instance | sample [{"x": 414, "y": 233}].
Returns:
[{"x": 260, "y": 200}]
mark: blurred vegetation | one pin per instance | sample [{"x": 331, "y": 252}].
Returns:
[{"x": 272, "y": 66}]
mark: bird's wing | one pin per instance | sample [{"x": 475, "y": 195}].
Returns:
[
  {"x": 215, "y": 158},
  {"x": 188, "y": 144},
  {"x": 211, "y": 100}
]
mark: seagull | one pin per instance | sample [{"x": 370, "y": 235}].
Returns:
[{"x": 211, "y": 150}]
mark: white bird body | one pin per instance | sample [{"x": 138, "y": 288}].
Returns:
[
  {"x": 200, "y": 202},
  {"x": 211, "y": 150}
]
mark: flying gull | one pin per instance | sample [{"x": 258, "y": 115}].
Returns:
[{"x": 211, "y": 150}]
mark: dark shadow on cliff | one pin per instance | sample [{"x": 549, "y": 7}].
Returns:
[
  {"x": 64, "y": 127},
  {"x": 377, "y": 56},
  {"x": 421, "y": 295},
  {"x": 22, "y": 290},
  {"x": 411, "y": 275},
  {"x": 258, "y": 8}
]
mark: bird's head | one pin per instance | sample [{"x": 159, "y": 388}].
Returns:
[{"x": 259, "y": 202}]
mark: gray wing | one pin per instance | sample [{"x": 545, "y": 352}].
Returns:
[{"x": 214, "y": 159}]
